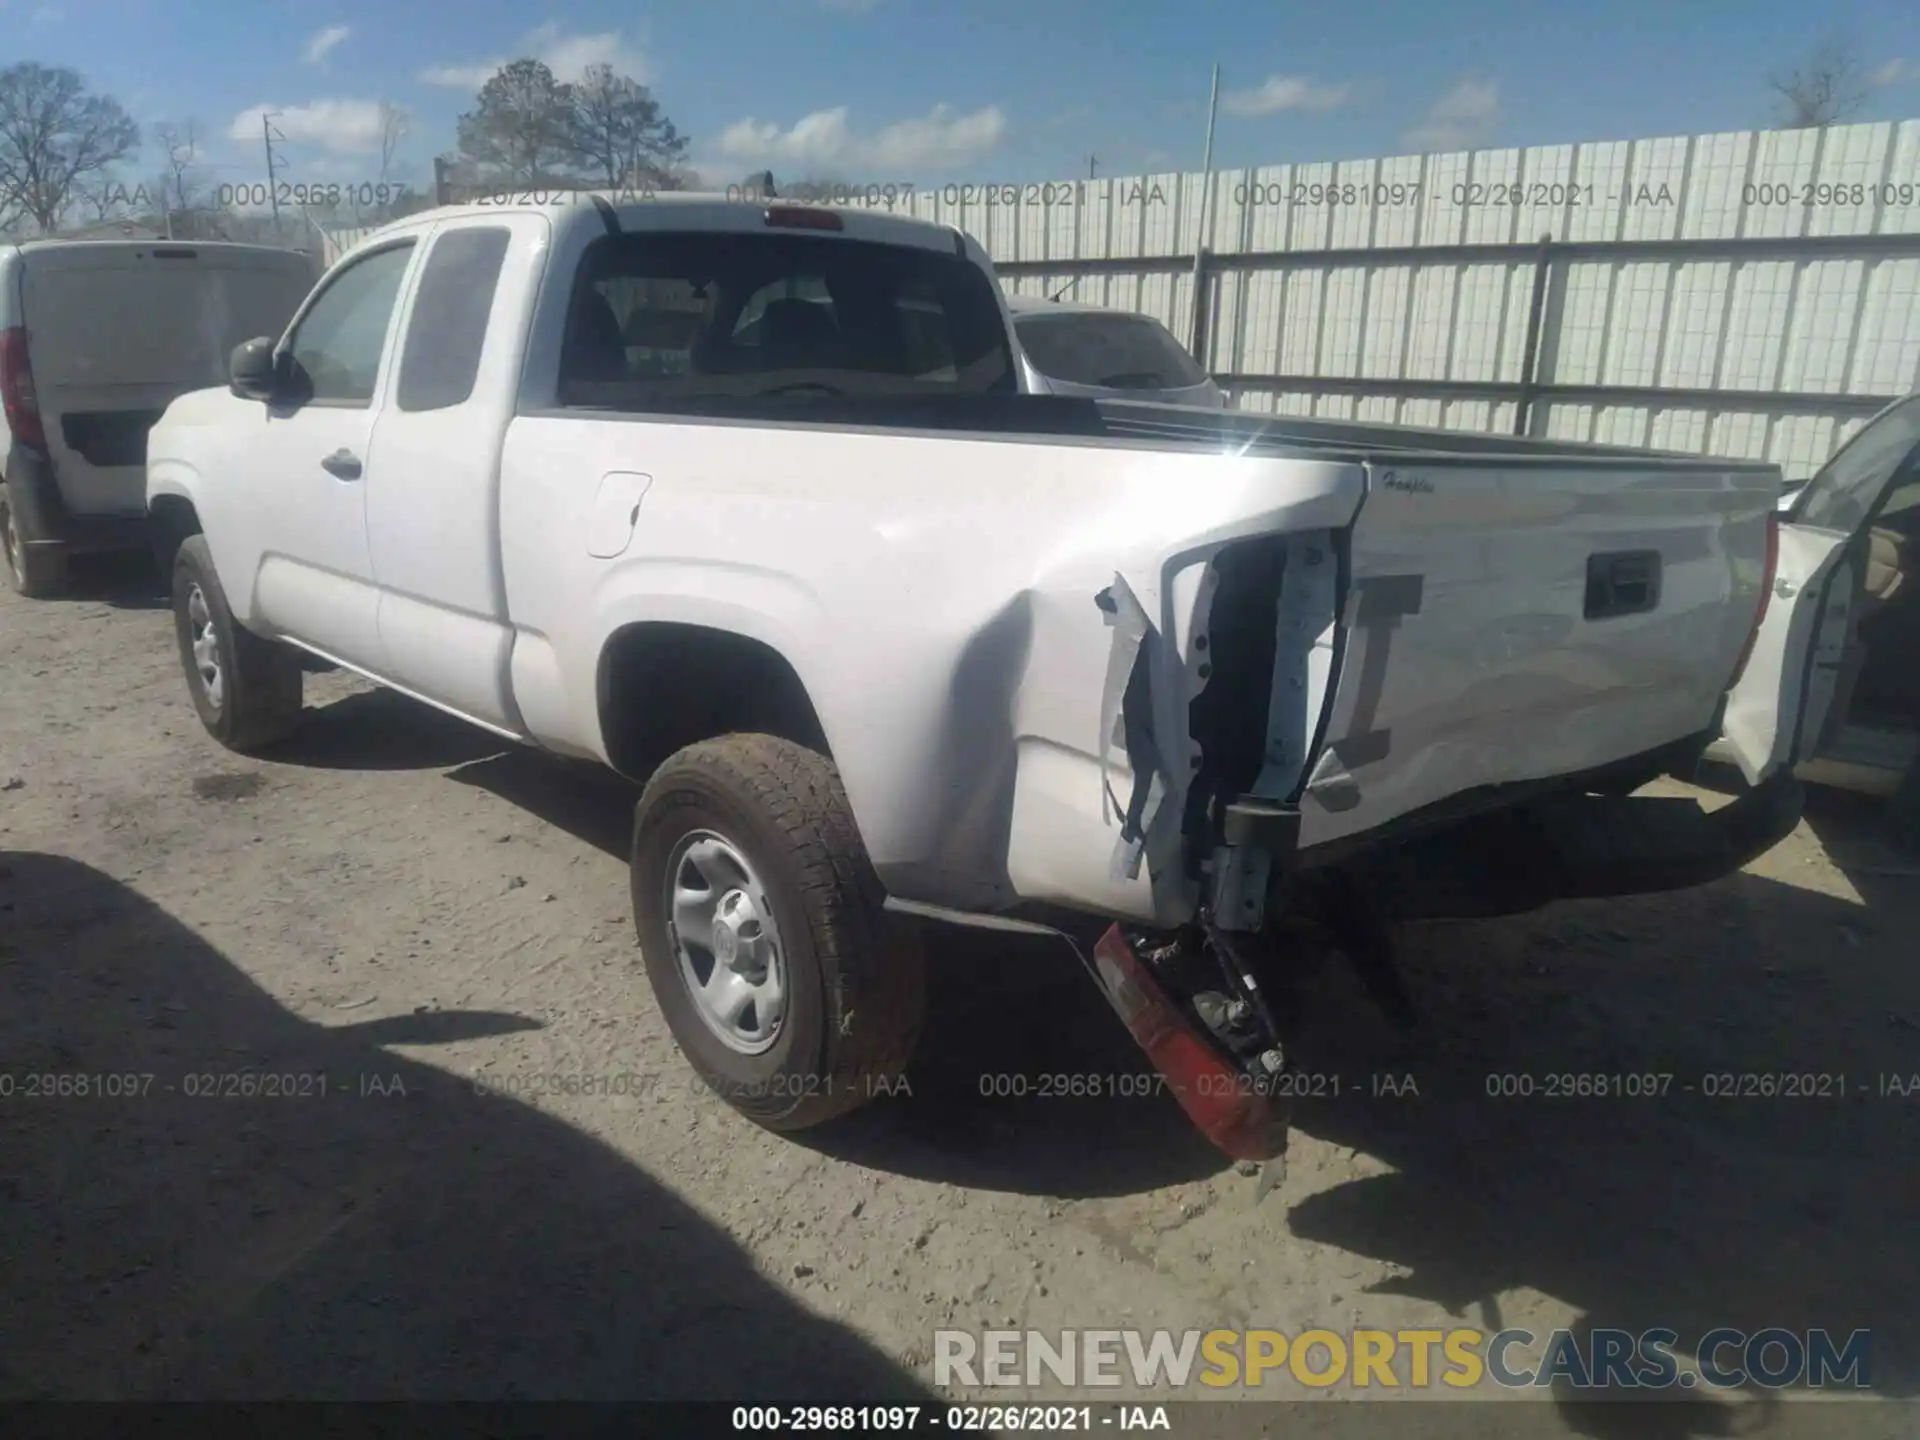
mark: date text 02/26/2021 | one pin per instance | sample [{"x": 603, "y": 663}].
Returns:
[{"x": 958, "y": 1419}]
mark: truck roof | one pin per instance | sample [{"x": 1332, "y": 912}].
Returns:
[
  {"x": 668, "y": 209},
  {"x": 211, "y": 248}
]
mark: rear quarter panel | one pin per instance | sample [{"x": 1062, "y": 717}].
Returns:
[{"x": 936, "y": 595}]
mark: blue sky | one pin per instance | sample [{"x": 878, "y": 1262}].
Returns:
[{"x": 911, "y": 90}]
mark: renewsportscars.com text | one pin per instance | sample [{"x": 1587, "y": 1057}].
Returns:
[{"x": 1459, "y": 1359}]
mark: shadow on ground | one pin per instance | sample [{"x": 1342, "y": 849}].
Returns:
[
  {"x": 380, "y": 729},
  {"x": 395, "y": 1237},
  {"x": 129, "y": 581},
  {"x": 1691, "y": 1211},
  {"x": 1859, "y": 833},
  {"x": 1015, "y": 1028},
  {"x": 1008, "y": 1017}
]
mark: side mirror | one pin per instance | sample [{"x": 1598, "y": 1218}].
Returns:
[{"x": 251, "y": 373}]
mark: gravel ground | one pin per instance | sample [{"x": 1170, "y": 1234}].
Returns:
[{"x": 396, "y": 905}]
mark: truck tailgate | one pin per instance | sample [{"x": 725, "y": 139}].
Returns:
[{"x": 1518, "y": 619}]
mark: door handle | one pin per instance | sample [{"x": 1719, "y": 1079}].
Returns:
[
  {"x": 1784, "y": 589},
  {"x": 343, "y": 464}
]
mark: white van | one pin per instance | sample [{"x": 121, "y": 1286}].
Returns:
[{"x": 97, "y": 337}]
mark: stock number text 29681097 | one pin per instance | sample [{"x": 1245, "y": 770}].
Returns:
[{"x": 259, "y": 194}]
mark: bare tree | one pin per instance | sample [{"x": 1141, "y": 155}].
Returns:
[
  {"x": 1828, "y": 86},
  {"x": 179, "y": 142},
  {"x": 618, "y": 132},
  {"x": 102, "y": 198},
  {"x": 395, "y": 124},
  {"x": 55, "y": 135}
]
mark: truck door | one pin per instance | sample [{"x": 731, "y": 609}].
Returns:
[
  {"x": 311, "y": 461},
  {"x": 1783, "y": 700},
  {"x": 433, "y": 513}
]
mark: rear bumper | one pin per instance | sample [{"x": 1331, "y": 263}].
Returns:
[
  {"x": 1578, "y": 847},
  {"x": 44, "y": 514}
]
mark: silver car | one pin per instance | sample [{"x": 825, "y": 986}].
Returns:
[{"x": 1087, "y": 350}]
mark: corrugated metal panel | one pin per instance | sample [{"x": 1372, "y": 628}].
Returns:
[{"x": 1798, "y": 326}]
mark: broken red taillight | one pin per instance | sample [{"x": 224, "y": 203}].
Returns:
[
  {"x": 1229, "y": 1108},
  {"x": 803, "y": 217},
  {"x": 1767, "y": 573},
  {"x": 22, "y": 404}
]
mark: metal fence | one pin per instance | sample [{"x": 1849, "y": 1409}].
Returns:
[{"x": 1752, "y": 294}]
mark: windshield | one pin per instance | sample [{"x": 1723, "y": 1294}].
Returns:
[
  {"x": 1845, "y": 491},
  {"x": 1115, "y": 352}
]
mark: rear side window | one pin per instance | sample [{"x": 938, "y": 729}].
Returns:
[
  {"x": 449, "y": 319},
  {"x": 1115, "y": 352},
  {"x": 662, "y": 319}
]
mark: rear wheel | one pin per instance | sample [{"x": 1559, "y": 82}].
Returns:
[
  {"x": 789, "y": 989},
  {"x": 247, "y": 690},
  {"x": 38, "y": 572}
]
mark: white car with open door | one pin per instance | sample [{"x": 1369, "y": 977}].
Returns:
[{"x": 1833, "y": 685}]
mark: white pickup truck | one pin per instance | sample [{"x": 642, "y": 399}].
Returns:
[{"x": 741, "y": 500}]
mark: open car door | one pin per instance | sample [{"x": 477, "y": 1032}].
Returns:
[{"x": 1783, "y": 700}]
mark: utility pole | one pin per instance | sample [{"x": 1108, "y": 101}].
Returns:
[
  {"x": 268, "y": 134},
  {"x": 1200, "y": 232},
  {"x": 1093, "y": 167}
]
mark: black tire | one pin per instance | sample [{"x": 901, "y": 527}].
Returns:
[
  {"x": 37, "y": 572},
  {"x": 855, "y": 975},
  {"x": 260, "y": 679}
]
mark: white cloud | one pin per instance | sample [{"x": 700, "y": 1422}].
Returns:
[
  {"x": 323, "y": 44},
  {"x": 824, "y": 141},
  {"x": 461, "y": 77},
  {"x": 344, "y": 127},
  {"x": 566, "y": 55},
  {"x": 1459, "y": 119},
  {"x": 1894, "y": 72},
  {"x": 1285, "y": 92}
]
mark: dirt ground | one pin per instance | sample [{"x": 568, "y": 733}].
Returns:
[{"x": 396, "y": 904}]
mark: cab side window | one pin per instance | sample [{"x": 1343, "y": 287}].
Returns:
[
  {"x": 447, "y": 324},
  {"x": 335, "y": 349}
]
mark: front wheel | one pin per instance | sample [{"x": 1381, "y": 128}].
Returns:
[
  {"x": 246, "y": 689},
  {"x": 793, "y": 994}
]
